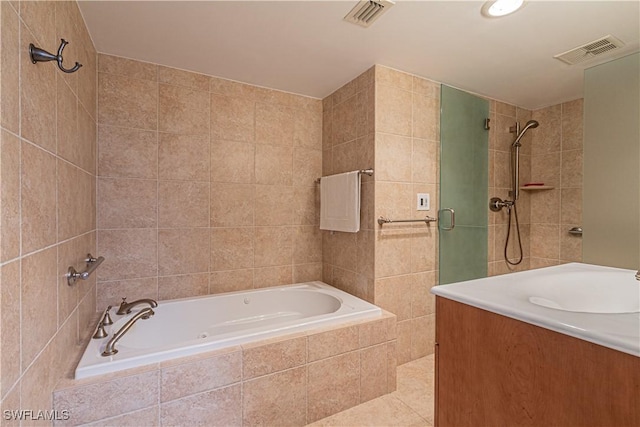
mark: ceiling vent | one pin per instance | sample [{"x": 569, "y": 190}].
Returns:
[
  {"x": 590, "y": 50},
  {"x": 367, "y": 11}
]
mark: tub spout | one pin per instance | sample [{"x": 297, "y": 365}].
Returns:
[
  {"x": 125, "y": 307},
  {"x": 110, "y": 349},
  {"x": 638, "y": 275}
]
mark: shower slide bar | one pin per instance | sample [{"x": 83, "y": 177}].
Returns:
[
  {"x": 92, "y": 264},
  {"x": 426, "y": 220},
  {"x": 361, "y": 172}
]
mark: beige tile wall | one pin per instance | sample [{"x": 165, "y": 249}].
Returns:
[
  {"x": 348, "y": 144},
  {"x": 205, "y": 185},
  {"x": 290, "y": 380},
  {"x": 552, "y": 154},
  {"x": 407, "y": 139},
  {"x": 47, "y": 203},
  {"x": 396, "y": 265},
  {"x": 504, "y": 116},
  {"x": 557, "y": 161}
]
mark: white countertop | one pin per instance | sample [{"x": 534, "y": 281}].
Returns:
[{"x": 509, "y": 294}]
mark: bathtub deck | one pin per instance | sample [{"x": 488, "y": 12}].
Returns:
[
  {"x": 289, "y": 380},
  {"x": 410, "y": 405}
]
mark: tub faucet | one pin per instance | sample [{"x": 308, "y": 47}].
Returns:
[
  {"x": 638, "y": 275},
  {"x": 110, "y": 349},
  {"x": 125, "y": 307}
]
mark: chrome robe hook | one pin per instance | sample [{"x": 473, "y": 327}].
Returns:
[{"x": 41, "y": 55}]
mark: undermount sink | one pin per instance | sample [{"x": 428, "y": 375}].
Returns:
[{"x": 588, "y": 292}]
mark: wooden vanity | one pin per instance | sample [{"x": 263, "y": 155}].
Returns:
[{"x": 495, "y": 370}]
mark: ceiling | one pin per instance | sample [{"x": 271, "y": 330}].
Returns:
[{"x": 306, "y": 48}]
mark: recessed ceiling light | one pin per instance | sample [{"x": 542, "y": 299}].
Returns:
[{"x": 497, "y": 8}]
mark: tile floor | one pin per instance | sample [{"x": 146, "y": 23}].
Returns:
[{"x": 411, "y": 405}]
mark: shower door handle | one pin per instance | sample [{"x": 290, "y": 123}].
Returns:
[{"x": 453, "y": 219}]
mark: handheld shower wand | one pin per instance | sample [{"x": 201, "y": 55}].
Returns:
[
  {"x": 496, "y": 204},
  {"x": 531, "y": 124}
]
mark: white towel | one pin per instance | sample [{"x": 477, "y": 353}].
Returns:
[{"x": 340, "y": 202}]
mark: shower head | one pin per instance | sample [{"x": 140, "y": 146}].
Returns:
[{"x": 530, "y": 124}]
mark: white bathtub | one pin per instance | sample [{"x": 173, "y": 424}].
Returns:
[{"x": 185, "y": 327}]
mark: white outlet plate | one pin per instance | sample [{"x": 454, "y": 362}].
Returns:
[{"x": 423, "y": 202}]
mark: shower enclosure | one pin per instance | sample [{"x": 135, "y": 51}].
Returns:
[{"x": 464, "y": 175}]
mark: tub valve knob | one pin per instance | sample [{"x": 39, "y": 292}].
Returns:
[
  {"x": 106, "y": 320},
  {"x": 123, "y": 307},
  {"x": 100, "y": 332}
]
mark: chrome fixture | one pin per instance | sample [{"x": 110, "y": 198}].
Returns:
[
  {"x": 110, "y": 349},
  {"x": 361, "y": 172},
  {"x": 531, "y": 124},
  {"x": 453, "y": 219},
  {"x": 638, "y": 275},
  {"x": 496, "y": 204},
  {"x": 92, "y": 264},
  {"x": 100, "y": 332},
  {"x": 105, "y": 320},
  {"x": 576, "y": 230},
  {"x": 125, "y": 307},
  {"x": 41, "y": 55},
  {"x": 426, "y": 220}
]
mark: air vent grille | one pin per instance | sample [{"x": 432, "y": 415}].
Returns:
[
  {"x": 590, "y": 50},
  {"x": 367, "y": 11}
]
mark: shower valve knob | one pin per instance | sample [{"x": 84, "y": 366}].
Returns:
[{"x": 496, "y": 204}]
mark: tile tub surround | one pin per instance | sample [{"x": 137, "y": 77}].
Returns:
[
  {"x": 291, "y": 380},
  {"x": 205, "y": 185},
  {"x": 412, "y": 404},
  {"x": 47, "y": 198}
]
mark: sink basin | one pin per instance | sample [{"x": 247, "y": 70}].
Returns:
[{"x": 587, "y": 292}]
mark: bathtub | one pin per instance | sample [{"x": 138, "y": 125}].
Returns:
[{"x": 185, "y": 327}]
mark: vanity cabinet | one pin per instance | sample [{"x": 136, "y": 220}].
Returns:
[{"x": 492, "y": 370}]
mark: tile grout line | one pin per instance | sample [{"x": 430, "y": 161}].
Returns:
[{"x": 157, "y": 135}]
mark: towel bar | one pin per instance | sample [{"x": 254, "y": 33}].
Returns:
[
  {"x": 426, "y": 220},
  {"x": 361, "y": 172}
]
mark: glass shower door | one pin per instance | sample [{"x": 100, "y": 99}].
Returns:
[{"x": 464, "y": 170}]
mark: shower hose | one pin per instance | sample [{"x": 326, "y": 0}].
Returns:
[{"x": 506, "y": 243}]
